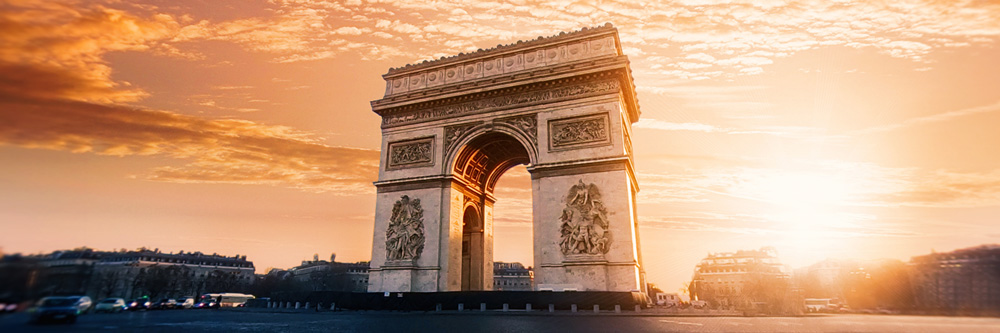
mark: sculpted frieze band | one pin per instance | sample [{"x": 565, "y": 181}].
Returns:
[{"x": 486, "y": 104}]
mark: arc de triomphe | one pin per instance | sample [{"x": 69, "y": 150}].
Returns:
[{"x": 564, "y": 106}]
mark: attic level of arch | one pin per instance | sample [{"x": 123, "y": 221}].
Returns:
[{"x": 610, "y": 77}]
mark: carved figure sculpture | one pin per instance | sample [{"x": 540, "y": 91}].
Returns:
[
  {"x": 584, "y": 222},
  {"x": 404, "y": 238}
]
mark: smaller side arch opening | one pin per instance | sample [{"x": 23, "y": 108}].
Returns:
[{"x": 472, "y": 249}]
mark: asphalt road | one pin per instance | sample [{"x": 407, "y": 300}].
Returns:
[{"x": 254, "y": 321}]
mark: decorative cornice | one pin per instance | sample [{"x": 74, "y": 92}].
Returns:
[{"x": 527, "y": 95}]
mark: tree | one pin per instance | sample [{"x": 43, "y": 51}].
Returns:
[
  {"x": 107, "y": 281},
  {"x": 160, "y": 280},
  {"x": 218, "y": 281}
]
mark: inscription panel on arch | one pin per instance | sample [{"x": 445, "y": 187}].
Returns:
[
  {"x": 579, "y": 131},
  {"x": 411, "y": 153}
]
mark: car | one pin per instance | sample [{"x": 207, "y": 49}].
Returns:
[
  {"x": 83, "y": 303},
  {"x": 137, "y": 304},
  {"x": 110, "y": 305},
  {"x": 208, "y": 304},
  {"x": 8, "y": 306},
  {"x": 184, "y": 303},
  {"x": 56, "y": 309},
  {"x": 164, "y": 304}
]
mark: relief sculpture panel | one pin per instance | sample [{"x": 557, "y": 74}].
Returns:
[
  {"x": 452, "y": 134},
  {"x": 526, "y": 123},
  {"x": 585, "y": 130},
  {"x": 411, "y": 153},
  {"x": 584, "y": 222},
  {"x": 404, "y": 237}
]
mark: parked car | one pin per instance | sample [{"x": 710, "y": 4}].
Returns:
[
  {"x": 110, "y": 305},
  {"x": 163, "y": 304},
  {"x": 83, "y": 303},
  {"x": 184, "y": 303},
  {"x": 58, "y": 309},
  {"x": 207, "y": 304},
  {"x": 8, "y": 306},
  {"x": 137, "y": 304}
]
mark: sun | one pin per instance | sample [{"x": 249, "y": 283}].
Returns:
[{"x": 805, "y": 212}]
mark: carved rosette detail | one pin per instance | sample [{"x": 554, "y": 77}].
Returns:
[
  {"x": 453, "y": 134},
  {"x": 492, "y": 103},
  {"x": 526, "y": 123},
  {"x": 404, "y": 237},
  {"x": 411, "y": 153},
  {"x": 584, "y": 222},
  {"x": 576, "y": 131}
]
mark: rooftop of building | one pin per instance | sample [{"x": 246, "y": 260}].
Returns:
[
  {"x": 501, "y": 48},
  {"x": 179, "y": 257},
  {"x": 981, "y": 252}
]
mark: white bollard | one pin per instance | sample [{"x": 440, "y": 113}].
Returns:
[
  {"x": 333, "y": 306},
  {"x": 268, "y": 304},
  {"x": 527, "y": 307},
  {"x": 307, "y": 305},
  {"x": 552, "y": 308},
  {"x": 461, "y": 306},
  {"x": 296, "y": 305},
  {"x": 618, "y": 308},
  {"x": 288, "y": 305},
  {"x": 572, "y": 308},
  {"x": 597, "y": 308},
  {"x": 482, "y": 306},
  {"x": 506, "y": 307},
  {"x": 437, "y": 307}
]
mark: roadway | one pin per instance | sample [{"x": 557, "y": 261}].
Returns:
[{"x": 347, "y": 321}]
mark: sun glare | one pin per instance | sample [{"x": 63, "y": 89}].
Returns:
[{"x": 805, "y": 210}]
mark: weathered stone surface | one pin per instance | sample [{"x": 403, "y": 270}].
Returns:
[
  {"x": 450, "y": 128},
  {"x": 404, "y": 238}
]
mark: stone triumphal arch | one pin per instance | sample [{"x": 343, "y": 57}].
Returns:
[{"x": 563, "y": 106}]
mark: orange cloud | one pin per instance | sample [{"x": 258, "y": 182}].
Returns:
[
  {"x": 219, "y": 150},
  {"x": 46, "y": 40}
]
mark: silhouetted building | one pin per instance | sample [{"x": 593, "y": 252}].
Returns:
[
  {"x": 153, "y": 273},
  {"x": 322, "y": 275},
  {"x": 512, "y": 276},
  {"x": 67, "y": 272},
  {"x": 739, "y": 279},
  {"x": 961, "y": 280}
]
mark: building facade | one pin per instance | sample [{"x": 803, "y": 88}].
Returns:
[
  {"x": 152, "y": 273},
  {"x": 960, "y": 280},
  {"x": 739, "y": 279},
  {"x": 512, "y": 276},
  {"x": 322, "y": 275}
]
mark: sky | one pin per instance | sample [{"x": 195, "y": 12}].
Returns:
[{"x": 827, "y": 129}]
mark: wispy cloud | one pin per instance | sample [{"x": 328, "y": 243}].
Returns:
[{"x": 995, "y": 107}]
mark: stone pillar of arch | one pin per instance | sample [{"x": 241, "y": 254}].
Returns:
[{"x": 561, "y": 105}]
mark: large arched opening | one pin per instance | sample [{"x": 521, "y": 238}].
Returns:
[{"x": 478, "y": 166}]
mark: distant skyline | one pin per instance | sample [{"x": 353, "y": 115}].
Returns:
[{"x": 841, "y": 129}]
